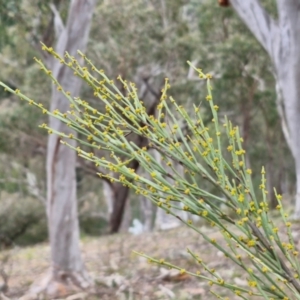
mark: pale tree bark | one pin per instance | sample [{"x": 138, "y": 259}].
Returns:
[
  {"x": 281, "y": 39},
  {"x": 67, "y": 267},
  {"x": 108, "y": 196},
  {"x": 118, "y": 193},
  {"x": 164, "y": 221},
  {"x": 127, "y": 216},
  {"x": 147, "y": 208},
  {"x": 119, "y": 196},
  {"x": 119, "y": 215}
]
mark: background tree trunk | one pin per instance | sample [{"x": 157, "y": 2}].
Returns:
[
  {"x": 148, "y": 211},
  {"x": 165, "y": 221},
  {"x": 118, "y": 193},
  {"x": 281, "y": 40},
  {"x": 66, "y": 262},
  {"x": 127, "y": 216}
]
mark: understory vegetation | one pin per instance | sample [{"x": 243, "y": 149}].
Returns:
[{"x": 229, "y": 201}]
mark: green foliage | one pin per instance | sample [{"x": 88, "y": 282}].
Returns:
[
  {"x": 151, "y": 39},
  {"x": 93, "y": 226},
  {"x": 253, "y": 241},
  {"x": 22, "y": 220}
]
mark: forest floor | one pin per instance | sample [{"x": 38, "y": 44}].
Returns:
[{"x": 120, "y": 274}]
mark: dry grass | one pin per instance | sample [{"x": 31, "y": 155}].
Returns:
[{"x": 122, "y": 275}]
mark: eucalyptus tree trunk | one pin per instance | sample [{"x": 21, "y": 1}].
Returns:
[
  {"x": 118, "y": 193},
  {"x": 119, "y": 197},
  {"x": 66, "y": 262},
  {"x": 164, "y": 221},
  {"x": 148, "y": 211},
  {"x": 281, "y": 39}
]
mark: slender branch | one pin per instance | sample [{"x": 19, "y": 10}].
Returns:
[
  {"x": 91, "y": 169},
  {"x": 287, "y": 274}
]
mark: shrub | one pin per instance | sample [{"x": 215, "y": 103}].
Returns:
[
  {"x": 22, "y": 220},
  {"x": 252, "y": 239}
]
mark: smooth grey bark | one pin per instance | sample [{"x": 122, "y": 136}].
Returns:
[
  {"x": 108, "y": 195},
  {"x": 147, "y": 211},
  {"x": 127, "y": 216},
  {"x": 281, "y": 39},
  {"x": 147, "y": 207},
  {"x": 164, "y": 221},
  {"x": 66, "y": 261}
]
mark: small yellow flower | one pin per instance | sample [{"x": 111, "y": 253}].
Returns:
[
  {"x": 204, "y": 213},
  {"x": 208, "y": 98},
  {"x": 241, "y": 198},
  {"x": 232, "y": 132},
  {"x": 251, "y": 243},
  {"x": 252, "y": 283},
  {"x": 187, "y": 191}
]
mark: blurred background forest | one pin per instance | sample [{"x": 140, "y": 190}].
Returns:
[{"x": 144, "y": 41}]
